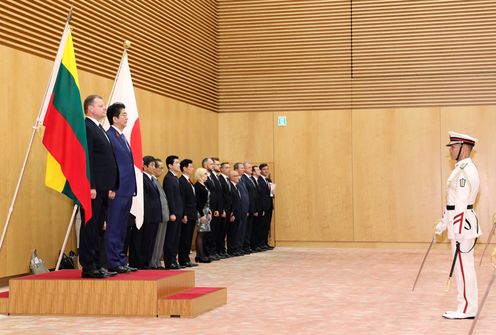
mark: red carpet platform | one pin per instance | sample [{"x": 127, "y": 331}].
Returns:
[{"x": 141, "y": 293}]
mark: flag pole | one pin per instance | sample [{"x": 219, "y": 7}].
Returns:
[
  {"x": 74, "y": 211},
  {"x": 126, "y": 45},
  {"x": 36, "y": 126}
]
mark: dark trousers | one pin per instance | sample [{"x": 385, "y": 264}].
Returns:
[
  {"x": 232, "y": 235},
  {"x": 90, "y": 233},
  {"x": 185, "y": 240},
  {"x": 248, "y": 232},
  {"x": 135, "y": 239},
  {"x": 258, "y": 231},
  {"x": 171, "y": 243},
  {"x": 240, "y": 239},
  {"x": 149, "y": 235},
  {"x": 115, "y": 233},
  {"x": 221, "y": 239},
  {"x": 268, "y": 221},
  {"x": 213, "y": 235}
]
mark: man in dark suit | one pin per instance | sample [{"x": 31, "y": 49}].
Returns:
[
  {"x": 176, "y": 212},
  {"x": 245, "y": 207},
  {"x": 152, "y": 212},
  {"x": 267, "y": 202},
  {"x": 225, "y": 170},
  {"x": 216, "y": 205},
  {"x": 104, "y": 181},
  {"x": 120, "y": 206},
  {"x": 253, "y": 224},
  {"x": 190, "y": 214},
  {"x": 233, "y": 226}
]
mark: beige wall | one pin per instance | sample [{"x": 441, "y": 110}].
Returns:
[
  {"x": 40, "y": 214},
  {"x": 362, "y": 176}
]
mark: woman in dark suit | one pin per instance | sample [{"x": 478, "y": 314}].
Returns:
[{"x": 202, "y": 195}]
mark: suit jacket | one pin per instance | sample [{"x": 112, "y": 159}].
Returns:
[
  {"x": 236, "y": 202},
  {"x": 265, "y": 198},
  {"x": 226, "y": 195},
  {"x": 163, "y": 201},
  {"x": 255, "y": 206},
  {"x": 245, "y": 198},
  {"x": 215, "y": 188},
  {"x": 125, "y": 163},
  {"x": 189, "y": 199},
  {"x": 151, "y": 199},
  {"x": 103, "y": 167},
  {"x": 173, "y": 195}
]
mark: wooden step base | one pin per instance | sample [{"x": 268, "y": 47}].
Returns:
[
  {"x": 4, "y": 302},
  {"x": 192, "y": 302},
  {"x": 66, "y": 293}
]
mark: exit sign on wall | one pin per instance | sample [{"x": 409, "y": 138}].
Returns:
[{"x": 281, "y": 121}]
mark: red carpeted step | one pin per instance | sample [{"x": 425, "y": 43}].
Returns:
[
  {"x": 4, "y": 295},
  {"x": 76, "y": 275},
  {"x": 192, "y": 302}
]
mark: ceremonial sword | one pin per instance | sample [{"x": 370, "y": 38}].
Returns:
[
  {"x": 488, "y": 238},
  {"x": 423, "y": 261},
  {"x": 457, "y": 251}
]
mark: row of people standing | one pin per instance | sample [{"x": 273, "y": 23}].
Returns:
[{"x": 217, "y": 204}]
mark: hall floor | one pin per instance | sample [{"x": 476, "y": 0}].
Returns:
[{"x": 305, "y": 291}]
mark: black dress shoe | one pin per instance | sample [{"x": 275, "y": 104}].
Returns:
[
  {"x": 131, "y": 269},
  {"x": 93, "y": 274},
  {"x": 121, "y": 269},
  {"x": 203, "y": 260},
  {"x": 269, "y": 247},
  {"x": 172, "y": 267},
  {"x": 107, "y": 273},
  {"x": 193, "y": 264}
]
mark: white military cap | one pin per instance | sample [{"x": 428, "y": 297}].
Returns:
[{"x": 458, "y": 138}]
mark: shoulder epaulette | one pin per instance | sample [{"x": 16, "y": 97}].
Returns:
[{"x": 463, "y": 165}]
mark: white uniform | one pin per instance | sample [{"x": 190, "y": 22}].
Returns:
[{"x": 463, "y": 227}]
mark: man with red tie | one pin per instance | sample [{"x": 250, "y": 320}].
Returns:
[{"x": 120, "y": 207}]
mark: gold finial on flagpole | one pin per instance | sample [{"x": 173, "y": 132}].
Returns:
[{"x": 127, "y": 44}]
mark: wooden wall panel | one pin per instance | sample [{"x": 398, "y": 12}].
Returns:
[
  {"x": 396, "y": 174},
  {"x": 41, "y": 215},
  {"x": 283, "y": 55},
  {"x": 423, "y": 53},
  {"x": 246, "y": 137},
  {"x": 174, "y": 42},
  {"x": 313, "y": 164}
]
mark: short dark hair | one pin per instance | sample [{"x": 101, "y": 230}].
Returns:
[
  {"x": 147, "y": 160},
  {"x": 205, "y": 160},
  {"x": 216, "y": 159},
  {"x": 184, "y": 163},
  {"x": 224, "y": 163},
  {"x": 236, "y": 165},
  {"x": 170, "y": 160},
  {"x": 254, "y": 166},
  {"x": 114, "y": 110},
  {"x": 263, "y": 165},
  {"x": 90, "y": 99}
]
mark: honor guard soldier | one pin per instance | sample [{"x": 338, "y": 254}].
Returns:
[{"x": 462, "y": 224}]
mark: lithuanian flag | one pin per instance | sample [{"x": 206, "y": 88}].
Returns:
[{"x": 65, "y": 131}]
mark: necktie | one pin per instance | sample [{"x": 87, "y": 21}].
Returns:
[
  {"x": 254, "y": 181},
  {"x": 123, "y": 138},
  {"x": 228, "y": 183},
  {"x": 104, "y": 133}
]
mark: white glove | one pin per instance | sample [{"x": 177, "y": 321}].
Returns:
[{"x": 440, "y": 228}]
